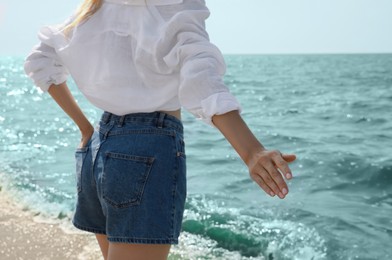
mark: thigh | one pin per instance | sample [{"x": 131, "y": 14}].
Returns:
[
  {"x": 122, "y": 251},
  {"x": 103, "y": 244}
]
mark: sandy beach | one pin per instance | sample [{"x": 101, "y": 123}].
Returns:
[{"x": 22, "y": 237}]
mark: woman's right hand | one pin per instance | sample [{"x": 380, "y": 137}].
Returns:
[{"x": 266, "y": 169}]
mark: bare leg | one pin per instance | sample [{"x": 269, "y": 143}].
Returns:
[
  {"x": 121, "y": 251},
  {"x": 103, "y": 244}
]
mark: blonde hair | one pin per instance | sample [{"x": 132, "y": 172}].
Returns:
[{"x": 85, "y": 11}]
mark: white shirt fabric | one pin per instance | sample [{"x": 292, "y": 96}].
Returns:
[{"x": 138, "y": 56}]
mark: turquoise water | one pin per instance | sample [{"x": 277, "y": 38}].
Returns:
[{"x": 332, "y": 111}]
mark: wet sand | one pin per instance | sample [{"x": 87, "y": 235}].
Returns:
[{"x": 22, "y": 237}]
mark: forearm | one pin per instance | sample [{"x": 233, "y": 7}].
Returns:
[
  {"x": 63, "y": 97},
  {"x": 238, "y": 134},
  {"x": 265, "y": 167}
]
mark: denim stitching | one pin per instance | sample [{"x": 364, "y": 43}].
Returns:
[
  {"x": 88, "y": 229},
  {"x": 148, "y": 161}
]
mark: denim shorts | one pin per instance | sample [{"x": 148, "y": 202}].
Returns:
[{"x": 131, "y": 179}]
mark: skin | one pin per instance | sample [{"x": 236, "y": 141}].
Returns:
[{"x": 268, "y": 168}]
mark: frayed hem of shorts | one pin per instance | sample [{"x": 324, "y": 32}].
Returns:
[
  {"x": 92, "y": 230},
  {"x": 130, "y": 240}
]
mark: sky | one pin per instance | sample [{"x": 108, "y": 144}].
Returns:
[{"x": 239, "y": 26}]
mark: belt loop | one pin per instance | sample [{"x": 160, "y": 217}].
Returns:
[
  {"x": 106, "y": 117},
  {"x": 161, "y": 119},
  {"x": 121, "y": 121}
]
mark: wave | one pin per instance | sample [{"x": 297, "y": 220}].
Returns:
[{"x": 261, "y": 235}]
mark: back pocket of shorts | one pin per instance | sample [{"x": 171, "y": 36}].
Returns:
[{"x": 124, "y": 178}]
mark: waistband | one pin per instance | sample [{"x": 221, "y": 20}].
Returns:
[{"x": 158, "y": 119}]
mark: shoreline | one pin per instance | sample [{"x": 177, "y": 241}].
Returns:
[{"x": 23, "y": 237}]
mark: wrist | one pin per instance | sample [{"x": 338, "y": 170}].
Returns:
[
  {"x": 86, "y": 129},
  {"x": 252, "y": 154}
]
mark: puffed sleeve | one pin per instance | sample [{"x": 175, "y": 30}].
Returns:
[
  {"x": 43, "y": 65},
  {"x": 202, "y": 67}
]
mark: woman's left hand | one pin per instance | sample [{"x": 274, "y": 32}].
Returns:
[{"x": 86, "y": 136}]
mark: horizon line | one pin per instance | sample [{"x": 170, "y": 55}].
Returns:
[
  {"x": 265, "y": 53},
  {"x": 308, "y": 53}
]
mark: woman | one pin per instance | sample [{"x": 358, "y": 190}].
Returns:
[{"x": 141, "y": 61}]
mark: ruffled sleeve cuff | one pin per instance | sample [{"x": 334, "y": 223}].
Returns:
[
  {"x": 43, "y": 65},
  {"x": 216, "y": 104},
  {"x": 45, "y": 71}
]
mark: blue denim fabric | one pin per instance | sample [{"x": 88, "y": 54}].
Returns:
[{"x": 131, "y": 179}]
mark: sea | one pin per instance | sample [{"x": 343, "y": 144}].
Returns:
[{"x": 333, "y": 111}]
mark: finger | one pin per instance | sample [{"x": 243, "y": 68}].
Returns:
[
  {"x": 282, "y": 166},
  {"x": 262, "y": 173},
  {"x": 262, "y": 185},
  {"x": 269, "y": 181},
  {"x": 289, "y": 157},
  {"x": 277, "y": 178}
]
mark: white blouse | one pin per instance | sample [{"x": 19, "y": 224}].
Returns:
[{"x": 138, "y": 56}]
